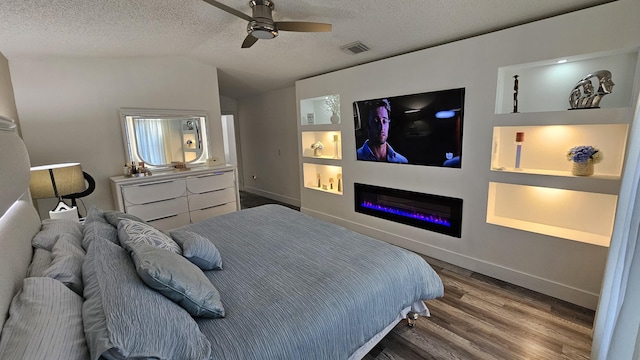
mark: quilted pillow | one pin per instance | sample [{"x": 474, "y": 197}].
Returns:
[
  {"x": 132, "y": 232},
  {"x": 45, "y": 322},
  {"x": 176, "y": 278},
  {"x": 123, "y": 318},
  {"x": 198, "y": 249},
  {"x": 66, "y": 266}
]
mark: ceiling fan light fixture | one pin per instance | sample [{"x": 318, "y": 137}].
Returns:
[{"x": 260, "y": 30}]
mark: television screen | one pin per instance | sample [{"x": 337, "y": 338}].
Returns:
[{"x": 418, "y": 129}]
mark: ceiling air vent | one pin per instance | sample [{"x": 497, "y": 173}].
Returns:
[{"x": 355, "y": 48}]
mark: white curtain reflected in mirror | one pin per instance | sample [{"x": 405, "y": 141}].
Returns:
[{"x": 150, "y": 140}]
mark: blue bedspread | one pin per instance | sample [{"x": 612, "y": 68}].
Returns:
[{"x": 295, "y": 287}]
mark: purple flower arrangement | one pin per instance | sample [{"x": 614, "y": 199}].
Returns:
[{"x": 584, "y": 153}]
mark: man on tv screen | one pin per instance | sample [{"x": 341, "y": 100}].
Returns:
[{"x": 376, "y": 147}]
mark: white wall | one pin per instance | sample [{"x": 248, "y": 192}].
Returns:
[
  {"x": 269, "y": 145},
  {"x": 7, "y": 100},
  {"x": 69, "y": 107},
  {"x": 566, "y": 269}
]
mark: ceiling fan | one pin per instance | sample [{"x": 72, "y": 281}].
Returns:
[{"x": 261, "y": 24}]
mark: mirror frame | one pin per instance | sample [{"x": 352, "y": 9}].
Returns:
[{"x": 130, "y": 144}]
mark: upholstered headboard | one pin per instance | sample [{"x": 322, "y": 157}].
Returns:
[{"x": 19, "y": 220}]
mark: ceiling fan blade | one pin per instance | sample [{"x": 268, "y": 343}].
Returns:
[
  {"x": 302, "y": 26},
  {"x": 248, "y": 41},
  {"x": 228, "y": 9}
]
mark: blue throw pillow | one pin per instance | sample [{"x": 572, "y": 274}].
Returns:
[
  {"x": 198, "y": 249},
  {"x": 132, "y": 232},
  {"x": 176, "y": 278}
]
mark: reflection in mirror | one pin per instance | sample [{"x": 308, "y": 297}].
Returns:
[{"x": 163, "y": 138}]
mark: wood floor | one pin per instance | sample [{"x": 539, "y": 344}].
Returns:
[{"x": 484, "y": 318}]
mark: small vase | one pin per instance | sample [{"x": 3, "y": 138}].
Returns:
[
  {"x": 317, "y": 152},
  {"x": 335, "y": 118},
  {"x": 582, "y": 169}
]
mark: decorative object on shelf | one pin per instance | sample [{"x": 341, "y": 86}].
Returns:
[
  {"x": 310, "y": 117},
  {"x": 519, "y": 141},
  {"x": 331, "y": 183},
  {"x": 335, "y": 146},
  {"x": 317, "y": 148},
  {"x": 332, "y": 103},
  {"x": 583, "y": 97},
  {"x": 324, "y": 187},
  {"x": 583, "y": 158},
  {"x": 339, "y": 176},
  {"x": 515, "y": 93},
  {"x": 318, "y": 177}
]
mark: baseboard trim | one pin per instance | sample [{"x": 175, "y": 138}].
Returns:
[
  {"x": 545, "y": 286},
  {"x": 273, "y": 196}
]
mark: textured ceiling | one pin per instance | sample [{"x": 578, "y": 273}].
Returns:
[{"x": 193, "y": 28}]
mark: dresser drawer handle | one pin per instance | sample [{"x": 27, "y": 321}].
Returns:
[
  {"x": 162, "y": 218},
  {"x": 213, "y": 174},
  {"x": 214, "y": 206},
  {"x": 156, "y": 183}
]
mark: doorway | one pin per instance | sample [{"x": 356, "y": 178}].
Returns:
[{"x": 231, "y": 143}]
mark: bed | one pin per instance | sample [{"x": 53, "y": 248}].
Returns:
[{"x": 263, "y": 283}]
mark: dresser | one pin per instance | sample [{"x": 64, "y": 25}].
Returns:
[{"x": 168, "y": 200}]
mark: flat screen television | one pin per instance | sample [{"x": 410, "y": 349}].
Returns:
[{"x": 418, "y": 129}]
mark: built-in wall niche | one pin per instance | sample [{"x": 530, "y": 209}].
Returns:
[
  {"x": 575, "y": 215},
  {"x": 547, "y": 85},
  {"x": 327, "y": 178},
  {"x": 543, "y": 149},
  {"x": 322, "y": 144},
  {"x": 322, "y": 110}
]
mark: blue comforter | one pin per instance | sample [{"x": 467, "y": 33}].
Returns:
[{"x": 295, "y": 287}]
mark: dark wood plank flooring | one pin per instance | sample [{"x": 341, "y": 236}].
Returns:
[{"x": 484, "y": 318}]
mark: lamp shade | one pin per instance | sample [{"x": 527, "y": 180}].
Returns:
[{"x": 57, "y": 180}]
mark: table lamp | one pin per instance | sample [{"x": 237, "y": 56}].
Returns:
[{"x": 57, "y": 180}]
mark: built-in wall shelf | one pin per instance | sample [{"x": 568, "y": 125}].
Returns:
[
  {"x": 325, "y": 178},
  {"x": 531, "y": 185},
  {"x": 320, "y": 126},
  {"x": 575, "y": 215},
  {"x": 331, "y": 142},
  {"x": 321, "y": 110},
  {"x": 547, "y": 85},
  {"x": 544, "y": 148}
]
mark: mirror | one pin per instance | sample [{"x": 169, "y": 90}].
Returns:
[{"x": 163, "y": 138}]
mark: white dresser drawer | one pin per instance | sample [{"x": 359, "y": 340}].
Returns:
[
  {"x": 171, "y": 222},
  {"x": 153, "y": 191},
  {"x": 199, "y": 215},
  {"x": 212, "y": 198},
  {"x": 209, "y": 182},
  {"x": 159, "y": 209}
]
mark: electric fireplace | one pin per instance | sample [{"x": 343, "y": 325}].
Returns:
[{"x": 437, "y": 213}]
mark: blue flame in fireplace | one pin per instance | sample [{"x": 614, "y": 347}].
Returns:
[{"x": 434, "y": 219}]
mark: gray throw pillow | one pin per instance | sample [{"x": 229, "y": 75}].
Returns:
[
  {"x": 45, "y": 322},
  {"x": 198, "y": 249},
  {"x": 51, "y": 231},
  {"x": 40, "y": 262},
  {"x": 133, "y": 232},
  {"x": 96, "y": 225},
  {"x": 66, "y": 265},
  {"x": 114, "y": 217},
  {"x": 178, "y": 279}
]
